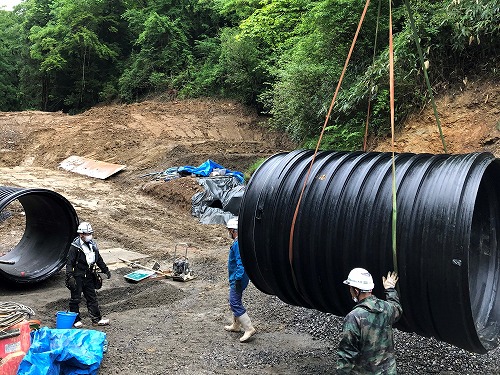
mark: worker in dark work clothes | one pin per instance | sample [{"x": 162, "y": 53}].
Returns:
[{"x": 83, "y": 254}]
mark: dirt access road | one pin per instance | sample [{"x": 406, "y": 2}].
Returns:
[{"x": 161, "y": 326}]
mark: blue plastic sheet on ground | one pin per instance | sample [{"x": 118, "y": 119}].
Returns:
[
  {"x": 63, "y": 351},
  {"x": 206, "y": 168}
]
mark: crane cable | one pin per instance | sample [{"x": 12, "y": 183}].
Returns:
[{"x": 292, "y": 228}]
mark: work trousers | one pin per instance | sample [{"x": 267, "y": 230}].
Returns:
[
  {"x": 235, "y": 302},
  {"x": 85, "y": 285}
]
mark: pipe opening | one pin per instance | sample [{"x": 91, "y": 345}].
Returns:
[
  {"x": 484, "y": 260},
  {"x": 12, "y": 225},
  {"x": 50, "y": 226}
]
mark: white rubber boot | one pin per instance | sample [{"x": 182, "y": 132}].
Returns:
[
  {"x": 235, "y": 327},
  {"x": 102, "y": 322},
  {"x": 246, "y": 323}
]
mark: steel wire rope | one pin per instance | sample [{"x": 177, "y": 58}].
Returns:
[
  {"x": 292, "y": 228},
  {"x": 12, "y": 313}
]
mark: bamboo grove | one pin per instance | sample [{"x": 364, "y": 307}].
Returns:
[{"x": 283, "y": 57}]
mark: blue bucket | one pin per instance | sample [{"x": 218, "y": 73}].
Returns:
[{"x": 65, "y": 319}]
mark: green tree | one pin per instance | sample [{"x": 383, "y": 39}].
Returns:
[
  {"x": 242, "y": 68},
  {"x": 162, "y": 51},
  {"x": 10, "y": 49},
  {"x": 167, "y": 32},
  {"x": 235, "y": 11},
  {"x": 458, "y": 38},
  {"x": 72, "y": 43},
  {"x": 284, "y": 56},
  {"x": 307, "y": 72}
]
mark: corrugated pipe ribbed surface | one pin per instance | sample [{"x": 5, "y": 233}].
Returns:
[
  {"x": 447, "y": 236},
  {"x": 51, "y": 223}
]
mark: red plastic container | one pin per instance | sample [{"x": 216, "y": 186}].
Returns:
[
  {"x": 15, "y": 343},
  {"x": 10, "y": 364}
]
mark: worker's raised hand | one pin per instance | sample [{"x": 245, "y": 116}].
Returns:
[{"x": 391, "y": 280}]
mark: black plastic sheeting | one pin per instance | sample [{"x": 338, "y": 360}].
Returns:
[
  {"x": 447, "y": 236},
  {"x": 51, "y": 224},
  {"x": 219, "y": 201}
]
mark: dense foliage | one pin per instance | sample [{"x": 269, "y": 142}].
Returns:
[{"x": 284, "y": 57}]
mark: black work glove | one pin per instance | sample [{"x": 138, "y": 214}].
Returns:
[
  {"x": 108, "y": 274},
  {"x": 238, "y": 287},
  {"x": 71, "y": 283}
]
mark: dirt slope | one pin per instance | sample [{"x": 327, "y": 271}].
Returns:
[
  {"x": 146, "y": 137},
  {"x": 470, "y": 121},
  {"x": 161, "y": 326}
]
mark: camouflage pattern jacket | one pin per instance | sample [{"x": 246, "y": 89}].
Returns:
[{"x": 367, "y": 344}]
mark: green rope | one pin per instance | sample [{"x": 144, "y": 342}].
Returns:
[
  {"x": 391, "y": 84},
  {"x": 394, "y": 216},
  {"x": 421, "y": 56}
]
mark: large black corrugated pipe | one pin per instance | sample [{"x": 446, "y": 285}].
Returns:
[
  {"x": 51, "y": 223},
  {"x": 447, "y": 229}
]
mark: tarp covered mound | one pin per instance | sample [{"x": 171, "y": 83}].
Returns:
[
  {"x": 205, "y": 169},
  {"x": 63, "y": 351},
  {"x": 220, "y": 200}
]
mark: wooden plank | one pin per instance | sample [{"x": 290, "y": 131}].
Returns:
[{"x": 90, "y": 167}]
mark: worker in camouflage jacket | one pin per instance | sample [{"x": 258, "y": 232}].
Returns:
[{"x": 367, "y": 343}]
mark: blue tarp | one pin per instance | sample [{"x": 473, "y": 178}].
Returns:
[
  {"x": 63, "y": 351},
  {"x": 206, "y": 168}
]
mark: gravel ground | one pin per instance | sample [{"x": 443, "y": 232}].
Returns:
[{"x": 160, "y": 326}]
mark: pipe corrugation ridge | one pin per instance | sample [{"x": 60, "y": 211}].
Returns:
[
  {"x": 447, "y": 236},
  {"x": 51, "y": 223}
]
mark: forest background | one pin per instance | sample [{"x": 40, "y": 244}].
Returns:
[{"x": 283, "y": 57}]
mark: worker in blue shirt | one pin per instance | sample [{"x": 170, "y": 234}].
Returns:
[{"x": 238, "y": 281}]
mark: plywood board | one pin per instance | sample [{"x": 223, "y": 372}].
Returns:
[
  {"x": 112, "y": 257},
  {"x": 90, "y": 167}
]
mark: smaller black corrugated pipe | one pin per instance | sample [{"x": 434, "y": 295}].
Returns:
[
  {"x": 51, "y": 223},
  {"x": 447, "y": 230}
]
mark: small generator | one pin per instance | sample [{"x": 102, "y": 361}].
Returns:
[{"x": 181, "y": 269}]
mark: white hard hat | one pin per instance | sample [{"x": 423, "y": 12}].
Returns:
[
  {"x": 361, "y": 279},
  {"x": 85, "y": 227},
  {"x": 232, "y": 223}
]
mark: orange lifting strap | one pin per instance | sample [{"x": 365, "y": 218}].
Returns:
[{"x": 292, "y": 229}]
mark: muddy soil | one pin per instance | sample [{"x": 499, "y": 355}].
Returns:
[{"x": 160, "y": 326}]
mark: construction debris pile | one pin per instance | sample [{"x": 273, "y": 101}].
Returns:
[{"x": 222, "y": 193}]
